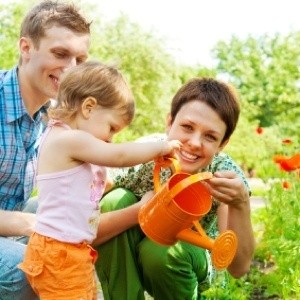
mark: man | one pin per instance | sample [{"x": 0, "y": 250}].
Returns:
[{"x": 54, "y": 37}]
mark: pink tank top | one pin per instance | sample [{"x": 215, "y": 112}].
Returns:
[{"x": 68, "y": 208}]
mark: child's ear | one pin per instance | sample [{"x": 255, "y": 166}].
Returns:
[{"x": 87, "y": 106}]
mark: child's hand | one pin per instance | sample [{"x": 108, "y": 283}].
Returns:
[{"x": 169, "y": 148}]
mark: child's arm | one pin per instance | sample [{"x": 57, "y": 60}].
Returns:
[{"x": 84, "y": 147}]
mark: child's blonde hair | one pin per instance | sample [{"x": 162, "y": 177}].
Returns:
[{"x": 92, "y": 79}]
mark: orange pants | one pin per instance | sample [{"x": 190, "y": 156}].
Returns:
[{"x": 60, "y": 271}]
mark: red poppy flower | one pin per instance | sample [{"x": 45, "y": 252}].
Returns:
[
  {"x": 259, "y": 130},
  {"x": 286, "y": 185},
  {"x": 287, "y": 141},
  {"x": 279, "y": 158},
  {"x": 290, "y": 164},
  {"x": 284, "y": 165}
]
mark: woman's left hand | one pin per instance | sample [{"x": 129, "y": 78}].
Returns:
[{"x": 229, "y": 188}]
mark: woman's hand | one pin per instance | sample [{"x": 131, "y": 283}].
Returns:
[{"x": 229, "y": 188}]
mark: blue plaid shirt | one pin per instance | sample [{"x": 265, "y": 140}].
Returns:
[{"x": 19, "y": 136}]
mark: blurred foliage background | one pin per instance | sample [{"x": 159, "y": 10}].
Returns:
[{"x": 265, "y": 71}]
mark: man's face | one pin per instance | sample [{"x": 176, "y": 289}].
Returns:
[{"x": 42, "y": 67}]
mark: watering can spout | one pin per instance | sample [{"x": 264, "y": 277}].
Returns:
[
  {"x": 194, "y": 238},
  {"x": 222, "y": 249}
]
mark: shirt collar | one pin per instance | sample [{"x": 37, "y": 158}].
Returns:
[{"x": 14, "y": 105}]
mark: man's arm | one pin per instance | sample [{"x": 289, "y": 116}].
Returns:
[
  {"x": 234, "y": 213},
  {"x": 16, "y": 223}
]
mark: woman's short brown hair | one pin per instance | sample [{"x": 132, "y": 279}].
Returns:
[{"x": 218, "y": 95}]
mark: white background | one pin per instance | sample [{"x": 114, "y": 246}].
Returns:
[{"x": 192, "y": 27}]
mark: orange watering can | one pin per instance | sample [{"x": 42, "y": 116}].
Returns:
[{"x": 175, "y": 210}]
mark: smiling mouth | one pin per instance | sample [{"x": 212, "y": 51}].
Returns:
[{"x": 188, "y": 156}]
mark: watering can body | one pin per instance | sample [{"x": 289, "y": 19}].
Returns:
[{"x": 179, "y": 203}]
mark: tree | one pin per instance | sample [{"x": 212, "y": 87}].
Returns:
[
  {"x": 150, "y": 70},
  {"x": 266, "y": 72},
  {"x": 11, "y": 15}
]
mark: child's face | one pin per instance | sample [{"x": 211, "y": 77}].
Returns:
[
  {"x": 201, "y": 131},
  {"x": 104, "y": 123}
]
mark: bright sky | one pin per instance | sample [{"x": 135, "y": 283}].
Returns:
[{"x": 192, "y": 27}]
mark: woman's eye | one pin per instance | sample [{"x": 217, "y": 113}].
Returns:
[
  {"x": 211, "y": 137},
  {"x": 187, "y": 127}
]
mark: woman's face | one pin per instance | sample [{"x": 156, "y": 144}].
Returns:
[{"x": 201, "y": 131}]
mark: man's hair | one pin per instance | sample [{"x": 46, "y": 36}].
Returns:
[
  {"x": 93, "y": 79},
  {"x": 49, "y": 13},
  {"x": 220, "y": 96}
]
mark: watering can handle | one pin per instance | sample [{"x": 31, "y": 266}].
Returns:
[
  {"x": 165, "y": 162},
  {"x": 183, "y": 184}
]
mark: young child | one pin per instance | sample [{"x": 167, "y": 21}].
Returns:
[{"x": 94, "y": 103}]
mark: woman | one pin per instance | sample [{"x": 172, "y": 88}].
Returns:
[{"x": 204, "y": 113}]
